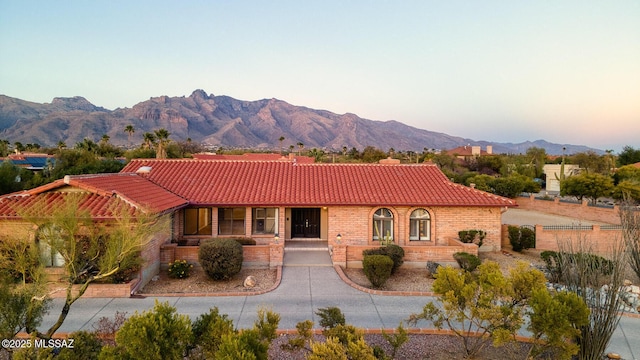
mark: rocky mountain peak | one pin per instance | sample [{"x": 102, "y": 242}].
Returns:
[
  {"x": 199, "y": 94},
  {"x": 74, "y": 103}
]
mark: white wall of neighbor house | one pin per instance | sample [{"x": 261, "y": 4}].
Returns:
[{"x": 553, "y": 171}]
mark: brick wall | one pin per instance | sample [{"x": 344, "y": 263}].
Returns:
[
  {"x": 354, "y": 224},
  {"x": 597, "y": 240},
  {"x": 577, "y": 211},
  {"x": 254, "y": 256}
]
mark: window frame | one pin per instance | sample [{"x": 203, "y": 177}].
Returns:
[
  {"x": 382, "y": 219},
  {"x": 255, "y": 219},
  {"x": 414, "y": 224},
  {"x": 198, "y": 227},
  {"x": 232, "y": 222}
]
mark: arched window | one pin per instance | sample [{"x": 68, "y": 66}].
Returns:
[
  {"x": 420, "y": 225},
  {"x": 383, "y": 225}
]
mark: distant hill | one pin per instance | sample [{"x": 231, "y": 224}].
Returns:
[{"x": 225, "y": 121}]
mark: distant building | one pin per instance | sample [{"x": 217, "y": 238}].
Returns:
[
  {"x": 469, "y": 152},
  {"x": 552, "y": 173},
  {"x": 30, "y": 161}
]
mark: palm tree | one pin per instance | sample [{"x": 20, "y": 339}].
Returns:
[
  {"x": 129, "y": 129},
  {"x": 105, "y": 139},
  {"x": 163, "y": 139},
  {"x": 61, "y": 145},
  {"x": 148, "y": 140},
  {"x": 300, "y": 146},
  {"x": 281, "y": 139}
]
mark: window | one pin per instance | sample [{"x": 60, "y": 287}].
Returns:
[
  {"x": 420, "y": 225},
  {"x": 383, "y": 225},
  {"x": 48, "y": 240},
  {"x": 231, "y": 221},
  {"x": 197, "y": 221},
  {"x": 265, "y": 220}
]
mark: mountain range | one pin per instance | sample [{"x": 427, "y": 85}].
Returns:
[{"x": 227, "y": 122}]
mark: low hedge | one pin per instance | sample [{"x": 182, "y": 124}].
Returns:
[
  {"x": 395, "y": 252},
  {"x": 220, "y": 258},
  {"x": 377, "y": 268}
]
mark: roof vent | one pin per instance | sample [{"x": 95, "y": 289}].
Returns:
[
  {"x": 67, "y": 179},
  {"x": 143, "y": 170}
]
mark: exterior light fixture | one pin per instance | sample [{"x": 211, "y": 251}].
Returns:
[
  {"x": 276, "y": 238},
  {"x": 338, "y": 238}
]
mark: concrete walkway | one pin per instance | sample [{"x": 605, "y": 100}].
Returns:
[{"x": 302, "y": 291}]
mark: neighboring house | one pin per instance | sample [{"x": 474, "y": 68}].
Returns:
[
  {"x": 31, "y": 161},
  {"x": 552, "y": 175},
  {"x": 469, "y": 152},
  {"x": 350, "y": 206}
]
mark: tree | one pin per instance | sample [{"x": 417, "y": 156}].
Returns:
[
  {"x": 628, "y": 156},
  {"x": 281, "y": 139},
  {"x": 591, "y": 186},
  {"x": 4, "y": 148},
  {"x": 162, "y": 135},
  {"x": 129, "y": 129},
  {"x": 10, "y": 179},
  {"x": 583, "y": 274},
  {"x": 148, "y": 140},
  {"x": 300, "y": 147},
  {"x": 591, "y": 162},
  {"x": 317, "y": 154},
  {"x": 90, "y": 252},
  {"x": 513, "y": 185},
  {"x": 627, "y": 189},
  {"x": 627, "y": 172},
  {"x": 537, "y": 158},
  {"x": 371, "y": 154},
  {"x": 481, "y": 306},
  {"x": 630, "y": 221}
]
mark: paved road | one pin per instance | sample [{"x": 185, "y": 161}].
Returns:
[{"x": 302, "y": 291}]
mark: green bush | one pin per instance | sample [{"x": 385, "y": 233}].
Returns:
[
  {"x": 86, "y": 345},
  {"x": 208, "y": 330},
  {"x": 377, "y": 268},
  {"x": 395, "y": 252},
  {"x": 220, "y": 258},
  {"x": 330, "y": 317},
  {"x": 467, "y": 262},
  {"x": 558, "y": 263},
  {"x": 160, "y": 333},
  {"x": 521, "y": 238},
  {"x": 472, "y": 236},
  {"x": 180, "y": 269}
]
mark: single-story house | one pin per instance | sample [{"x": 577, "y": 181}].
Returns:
[{"x": 350, "y": 206}]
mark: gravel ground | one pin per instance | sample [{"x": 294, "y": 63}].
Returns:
[{"x": 199, "y": 282}]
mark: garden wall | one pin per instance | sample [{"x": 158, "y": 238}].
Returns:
[
  {"x": 261, "y": 256},
  {"x": 577, "y": 211},
  {"x": 350, "y": 256}
]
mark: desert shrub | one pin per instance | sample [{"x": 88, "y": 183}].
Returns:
[
  {"x": 220, "y": 258},
  {"x": 472, "y": 236},
  {"x": 557, "y": 263},
  {"x": 467, "y": 262},
  {"x": 86, "y": 345},
  {"x": 208, "y": 330},
  {"x": 377, "y": 268},
  {"x": 432, "y": 267},
  {"x": 160, "y": 333},
  {"x": 106, "y": 329},
  {"x": 330, "y": 317},
  {"x": 521, "y": 238},
  {"x": 395, "y": 252},
  {"x": 180, "y": 269}
]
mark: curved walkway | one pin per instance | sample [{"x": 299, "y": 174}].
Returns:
[{"x": 301, "y": 292}]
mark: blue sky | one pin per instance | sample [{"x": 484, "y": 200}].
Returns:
[{"x": 504, "y": 71}]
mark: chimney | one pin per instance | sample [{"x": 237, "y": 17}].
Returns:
[
  {"x": 489, "y": 149},
  {"x": 389, "y": 160},
  {"x": 472, "y": 185},
  {"x": 475, "y": 150}
]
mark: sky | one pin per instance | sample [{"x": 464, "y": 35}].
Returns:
[{"x": 503, "y": 71}]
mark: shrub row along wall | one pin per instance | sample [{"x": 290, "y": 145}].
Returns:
[
  {"x": 254, "y": 256},
  {"x": 414, "y": 256},
  {"x": 577, "y": 211}
]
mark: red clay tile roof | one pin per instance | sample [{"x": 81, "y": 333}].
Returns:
[
  {"x": 103, "y": 194},
  {"x": 247, "y": 183}
]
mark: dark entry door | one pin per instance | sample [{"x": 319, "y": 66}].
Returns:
[{"x": 305, "y": 222}]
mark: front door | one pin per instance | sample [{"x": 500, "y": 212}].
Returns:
[{"x": 306, "y": 222}]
